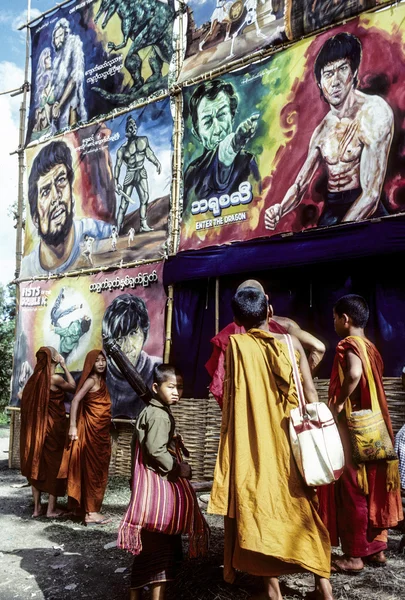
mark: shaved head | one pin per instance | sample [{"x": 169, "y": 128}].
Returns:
[{"x": 252, "y": 283}]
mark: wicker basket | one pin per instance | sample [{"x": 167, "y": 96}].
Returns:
[
  {"x": 198, "y": 421},
  {"x": 121, "y": 436}
]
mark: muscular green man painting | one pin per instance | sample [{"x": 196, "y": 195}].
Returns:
[{"x": 133, "y": 153}]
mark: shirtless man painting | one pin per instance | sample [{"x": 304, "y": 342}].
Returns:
[
  {"x": 352, "y": 142},
  {"x": 133, "y": 153}
]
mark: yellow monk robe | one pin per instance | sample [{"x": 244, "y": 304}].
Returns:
[{"x": 272, "y": 526}]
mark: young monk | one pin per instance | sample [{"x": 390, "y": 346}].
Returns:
[
  {"x": 272, "y": 526},
  {"x": 43, "y": 429},
  {"x": 215, "y": 365},
  {"x": 366, "y": 500},
  {"x": 157, "y": 553},
  {"x": 89, "y": 432}
]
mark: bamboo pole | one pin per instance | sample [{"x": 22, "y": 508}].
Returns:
[
  {"x": 169, "y": 322},
  {"x": 177, "y": 143},
  {"x": 20, "y": 205},
  {"x": 177, "y": 174},
  {"x": 13, "y": 92},
  {"x": 92, "y": 270},
  {"x": 216, "y": 305},
  {"x": 179, "y": 42},
  {"x": 21, "y": 140},
  {"x": 30, "y": 22}
]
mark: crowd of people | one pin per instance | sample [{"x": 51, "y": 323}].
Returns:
[{"x": 274, "y": 524}]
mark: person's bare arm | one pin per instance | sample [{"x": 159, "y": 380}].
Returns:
[
  {"x": 351, "y": 379},
  {"x": 88, "y": 384},
  {"x": 314, "y": 347},
  {"x": 295, "y": 193},
  {"x": 376, "y": 136},
  {"x": 68, "y": 385},
  {"x": 310, "y": 392}
]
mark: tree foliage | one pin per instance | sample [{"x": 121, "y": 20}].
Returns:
[{"x": 7, "y": 330}]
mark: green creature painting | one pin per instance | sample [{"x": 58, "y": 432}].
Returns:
[{"x": 147, "y": 23}]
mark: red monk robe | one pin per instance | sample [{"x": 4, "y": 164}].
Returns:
[
  {"x": 89, "y": 455},
  {"x": 43, "y": 428},
  {"x": 364, "y": 502},
  {"x": 216, "y": 363}
]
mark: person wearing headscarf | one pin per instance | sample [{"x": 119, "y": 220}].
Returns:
[
  {"x": 44, "y": 428},
  {"x": 90, "y": 442}
]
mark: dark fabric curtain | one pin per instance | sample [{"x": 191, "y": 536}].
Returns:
[
  {"x": 307, "y": 295},
  {"x": 313, "y": 246},
  {"x": 193, "y": 327}
]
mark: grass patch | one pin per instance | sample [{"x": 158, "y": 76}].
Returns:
[{"x": 4, "y": 418}]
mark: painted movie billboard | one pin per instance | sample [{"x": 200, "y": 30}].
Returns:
[
  {"x": 222, "y": 31},
  {"x": 73, "y": 314},
  {"x": 92, "y": 56},
  {"x": 311, "y": 137},
  {"x": 100, "y": 195}
]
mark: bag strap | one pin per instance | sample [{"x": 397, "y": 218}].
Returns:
[
  {"x": 375, "y": 405},
  {"x": 295, "y": 373},
  {"x": 348, "y": 402},
  {"x": 368, "y": 372}
]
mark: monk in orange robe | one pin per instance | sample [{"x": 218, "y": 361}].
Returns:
[
  {"x": 272, "y": 526},
  {"x": 44, "y": 428},
  {"x": 366, "y": 500},
  {"x": 216, "y": 363},
  {"x": 89, "y": 432}
]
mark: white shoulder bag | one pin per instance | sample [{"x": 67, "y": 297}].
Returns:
[{"x": 314, "y": 436}]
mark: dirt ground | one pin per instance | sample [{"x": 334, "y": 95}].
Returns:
[{"x": 59, "y": 559}]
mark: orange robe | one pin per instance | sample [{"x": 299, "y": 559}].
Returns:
[
  {"x": 43, "y": 429},
  {"x": 272, "y": 526},
  {"x": 354, "y": 515},
  {"x": 89, "y": 459},
  {"x": 215, "y": 365}
]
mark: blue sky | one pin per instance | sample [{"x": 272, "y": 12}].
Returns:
[
  {"x": 12, "y": 46},
  {"x": 202, "y": 10},
  {"x": 12, "y": 60}
]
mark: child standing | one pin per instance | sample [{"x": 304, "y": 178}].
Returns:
[
  {"x": 89, "y": 432},
  {"x": 360, "y": 507},
  {"x": 163, "y": 504}
]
